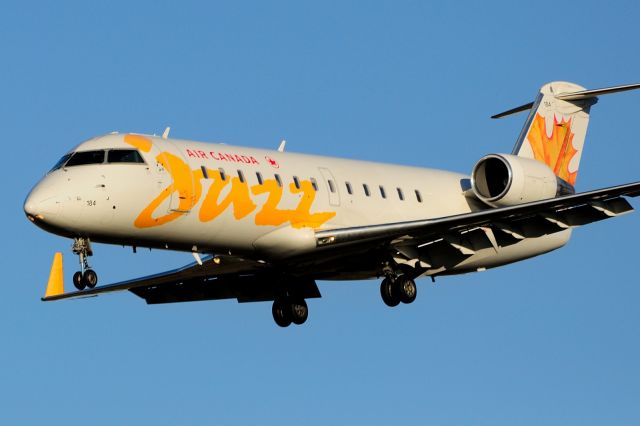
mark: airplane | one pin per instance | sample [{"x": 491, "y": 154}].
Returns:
[{"x": 265, "y": 225}]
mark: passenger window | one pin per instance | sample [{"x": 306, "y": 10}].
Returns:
[
  {"x": 366, "y": 189},
  {"x": 205, "y": 173},
  {"x": 314, "y": 184},
  {"x": 332, "y": 188},
  {"x": 296, "y": 182},
  {"x": 86, "y": 157},
  {"x": 418, "y": 196},
  {"x": 223, "y": 176},
  {"x": 259, "y": 176},
  {"x": 277, "y": 176},
  {"x": 241, "y": 176},
  {"x": 382, "y": 193},
  {"x": 124, "y": 156},
  {"x": 400, "y": 194},
  {"x": 349, "y": 189}
]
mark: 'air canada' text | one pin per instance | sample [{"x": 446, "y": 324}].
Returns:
[{"x": 241, "y": 198}]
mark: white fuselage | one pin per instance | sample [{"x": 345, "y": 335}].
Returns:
[{"x": 255, "y": 203}]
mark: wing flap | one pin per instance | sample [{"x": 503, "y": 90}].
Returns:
[{"x": 244, "y": 288}]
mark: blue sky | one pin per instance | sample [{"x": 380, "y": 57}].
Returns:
[{"x": 552, "y": 340}]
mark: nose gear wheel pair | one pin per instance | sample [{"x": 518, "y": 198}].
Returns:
[{"x": 85, "y": 277}]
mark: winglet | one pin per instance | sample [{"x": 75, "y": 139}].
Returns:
[{"x": 55, "y": 286}]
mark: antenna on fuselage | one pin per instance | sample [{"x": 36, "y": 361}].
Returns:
[
  {"x": 165, "y": 134},
  {"x": 282, "y": 145}
]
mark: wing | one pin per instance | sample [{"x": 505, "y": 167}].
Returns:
[
  {"x": 226, "y": 277},
  {"x": 492, "y": 227},
  {"x": 219, "y": 277}
]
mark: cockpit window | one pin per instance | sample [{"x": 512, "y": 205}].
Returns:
[
  {"x": 124, "y": 156},
  {"x": 60, "y": 163},
  {"x": 98, "y": 156},
  {"x": 86, "y": 157}
]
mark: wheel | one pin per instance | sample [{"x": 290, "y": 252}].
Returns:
[
  {"x": 389, "y": 292},
  {"x": 90, "y": 278},
  {"x": 78, "y": 281},
  {"x": 407, "y": 289},
  {"x": 281, "y": 312},
  {"x": 299, "y": 311}
]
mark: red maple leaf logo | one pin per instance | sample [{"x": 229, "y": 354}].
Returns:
[{"x": 272, "y": 162}]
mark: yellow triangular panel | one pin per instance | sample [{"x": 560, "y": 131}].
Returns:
[{"x": 56, "y": 277}]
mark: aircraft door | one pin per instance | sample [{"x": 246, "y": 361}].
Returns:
[
  {"x": 171, "y": 176},
  {"x": 160, "y": 170},
  {"x": 331, "y": 186},
  {"x": 184, "y": 195}
]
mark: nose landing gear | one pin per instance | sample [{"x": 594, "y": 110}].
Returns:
[{"x": 85, "y": 277}]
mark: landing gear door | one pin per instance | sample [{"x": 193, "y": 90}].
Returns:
[{"x": 331, "y": 186}]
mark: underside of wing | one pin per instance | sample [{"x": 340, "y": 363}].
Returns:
[{"x": 218, "y": 277}]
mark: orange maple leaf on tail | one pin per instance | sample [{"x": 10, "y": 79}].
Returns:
[{"x": 557, "y": 150}]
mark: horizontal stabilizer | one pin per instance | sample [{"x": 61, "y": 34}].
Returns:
[
  {"x": 586, "y": 94},
  {"x": 573, "y": 96},
  {"x": 515, "y": 110}
]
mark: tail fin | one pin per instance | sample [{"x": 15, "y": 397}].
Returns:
[{"x": 556, "y": 127}]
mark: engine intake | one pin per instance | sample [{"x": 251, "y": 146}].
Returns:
[{"x": 506, "y": 180}]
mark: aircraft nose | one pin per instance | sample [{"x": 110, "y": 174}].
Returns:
[
  {"x": 41, "y": 204},
  {"x": 30, "y": 207}
]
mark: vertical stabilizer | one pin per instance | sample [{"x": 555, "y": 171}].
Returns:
[{"x": 555, "y": 129}]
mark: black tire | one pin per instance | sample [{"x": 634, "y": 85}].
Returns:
[
  {"x": 389, "y": 293},
  {"x": 90, "y": 278},
  {"x": 407, "y": 289},
  {"x": 78, "y": 282},
  {"x": 281, "y": 312},
  {"x": 299, "y": 311}
]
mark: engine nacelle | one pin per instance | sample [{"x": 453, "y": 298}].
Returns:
[{"x": 505, "y": 180}]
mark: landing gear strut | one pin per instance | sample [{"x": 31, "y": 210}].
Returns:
[
  {"x": 85, "y": 277},
  {"x": 287, "y": 310},
  {"x": 398, "y": 289}
]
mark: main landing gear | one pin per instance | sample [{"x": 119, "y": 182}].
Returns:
[
  {"x": 85, "y": 277},
  {"x": 287, "y": 310},
  {"x": 398, "y": 289}
]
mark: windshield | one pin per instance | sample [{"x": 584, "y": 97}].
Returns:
[
  {"x": 60, "y": 162},
  {"x": 130, "y": 156},
  {"x": 86, "y": 157},
  {"x": 124, "y": 156}
]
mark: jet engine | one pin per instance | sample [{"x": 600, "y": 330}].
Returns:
[{"x": 501, "y": 180}]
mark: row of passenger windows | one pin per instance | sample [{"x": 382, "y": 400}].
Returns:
[
  {"x": 330, "y": 183},
  {"x": 133, "y": 156},
  {"x": 99, "y": 157}
]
